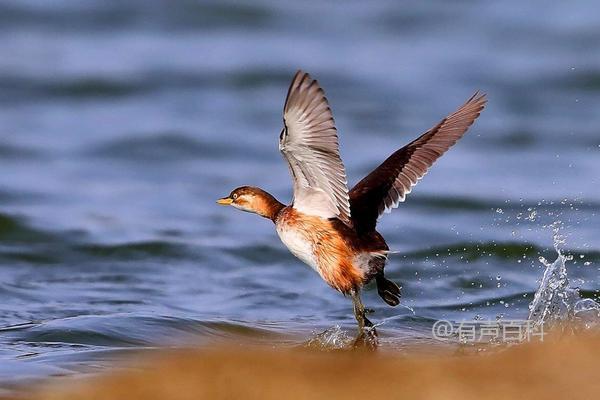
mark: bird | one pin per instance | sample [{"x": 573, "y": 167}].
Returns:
[{"x": 328, "y": 226}]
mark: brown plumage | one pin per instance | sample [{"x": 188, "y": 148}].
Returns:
[{"x": 327, "y": 226}]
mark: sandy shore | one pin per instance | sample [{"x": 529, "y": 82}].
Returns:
[{"x": 558, "y": 368}]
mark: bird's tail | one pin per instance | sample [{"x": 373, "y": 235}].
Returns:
[{"x": 388, "y": 290}]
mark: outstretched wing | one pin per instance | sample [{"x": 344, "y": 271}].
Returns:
[
  {"x": 309, "y": 143},
  {"x": 386, "y": 186}
]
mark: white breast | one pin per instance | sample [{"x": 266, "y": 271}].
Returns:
[{"x": 298, "y": 245}]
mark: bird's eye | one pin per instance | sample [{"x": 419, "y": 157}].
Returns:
[{"x": 235, "y": 196}]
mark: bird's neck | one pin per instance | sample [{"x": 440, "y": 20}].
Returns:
[{"x": 268, "y": 206}]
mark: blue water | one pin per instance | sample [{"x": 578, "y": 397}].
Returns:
[{"x": 122, "y": 122}]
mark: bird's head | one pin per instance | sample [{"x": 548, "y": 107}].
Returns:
[{"x": 252, "y": 199}]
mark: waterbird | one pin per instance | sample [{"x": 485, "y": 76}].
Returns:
[{"x": 327, "y": 226}]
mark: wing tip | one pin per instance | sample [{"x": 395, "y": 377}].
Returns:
[
  {"x": 478, "y": 98},
  {"x": 300, "y": 71},
  {"x": 302, "y": 82},
  {"x": 299, "y": 77}
]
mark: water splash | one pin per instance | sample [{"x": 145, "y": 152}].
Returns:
[
  {"x": 409, "y": 308},
  {"x": 333, "y": 338},
  {"x": 587, "y": 313},
  {"x": 555, "y": 302}
]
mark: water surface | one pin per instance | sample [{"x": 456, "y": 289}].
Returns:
[{"x": 121, "y": 123}]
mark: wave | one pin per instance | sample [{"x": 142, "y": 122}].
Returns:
[
  {"x": 17, "y": 197},
  {"x": 14, "y": 229},
  {"x": 66, "y": 252},
  {"x": 20, "y": 241},
  {"x": 260, "y": 253},
  {"x": 501, "y": 250},
  {"x": 23, "y": 87},
  {"x": 94, "y": 16},
  {"x": 474, "y": 251},
  {"x": 15, "y": 88},
  {"x": 126, "y": 330},
  {"x": 481, "y": 303},
  {"x": 483, "y": 204},
  {"x": 134, "y": 250},
  {"x": 11, "y": 152},
  {"x": 166, "y": 146}
]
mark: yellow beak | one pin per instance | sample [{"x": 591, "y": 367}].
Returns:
[{"x": 225, "y": 201}]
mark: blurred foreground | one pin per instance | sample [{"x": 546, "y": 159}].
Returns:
[
  {"x": 122, "y": 122},
  {"x": 556, "y": 368}
]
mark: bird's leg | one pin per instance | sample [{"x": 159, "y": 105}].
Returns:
[
  {"x": 367, "y": 335},
  {"x": 359, "y": 311}
]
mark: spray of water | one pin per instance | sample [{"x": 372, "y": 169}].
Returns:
[
  {"x": 555, "y": 302},
  {"x": 331, "y": 339}
]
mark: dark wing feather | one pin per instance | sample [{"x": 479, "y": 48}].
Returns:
[{"x": 386, "y": 186}]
